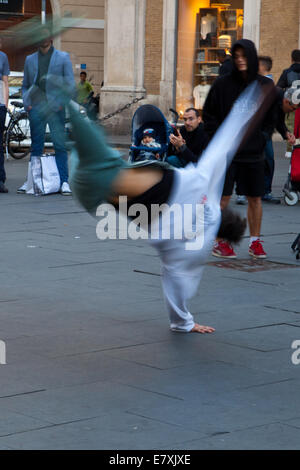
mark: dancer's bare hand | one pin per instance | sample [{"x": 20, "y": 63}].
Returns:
[{"x": 202, "y": 329}]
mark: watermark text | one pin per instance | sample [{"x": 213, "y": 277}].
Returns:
[{"x": 164, "y": 222}]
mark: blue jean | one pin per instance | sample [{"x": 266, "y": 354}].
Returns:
[
  {"x": 38, "y": 119},
  {"x": 269, "y": 166},
  {"x": 2, "y": 125}
]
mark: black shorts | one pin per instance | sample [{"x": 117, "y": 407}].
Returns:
[{"x": 249, "y": 179}]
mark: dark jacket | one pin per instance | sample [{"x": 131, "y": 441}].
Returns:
[
  {"x": 280, "y": 115},
  {"x": 196, "y": 141},
  {"x": 226, "y": 67},
  {"x": 224, "y": 93},
  {"x": 289, "y": 75}
]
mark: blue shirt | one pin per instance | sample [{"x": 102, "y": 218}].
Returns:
[
  {"x": 4, "y": 70},
  {"x": 4, "y": 65}
]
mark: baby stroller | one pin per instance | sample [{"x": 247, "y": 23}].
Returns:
[
  {"x": 149, "y": 116},
  {"x": 292, "y": 189},
  {"x": 292, "y": 186}
]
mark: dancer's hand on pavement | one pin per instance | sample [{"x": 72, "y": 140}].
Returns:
[{"x": 202, "y": 329}]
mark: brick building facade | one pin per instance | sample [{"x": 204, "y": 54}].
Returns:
[
  {"x": 279, "y": 31},
  {"x": 153, "y": 46}
]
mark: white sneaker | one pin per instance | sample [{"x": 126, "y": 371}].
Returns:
[
  {"x": 65, "y": 189},
  {"x": 22, "y": 189}
]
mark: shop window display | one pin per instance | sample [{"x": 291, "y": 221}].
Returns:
[{"x": 204, "y": 29}]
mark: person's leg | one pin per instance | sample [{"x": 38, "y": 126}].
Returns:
[
  {"x": 37, "y": 123},
  {"x": 254, "y": 216},
  {"x": 135, "y": 181},
  {"x": 2, "y": 126},
  {"x": 269, "y": 167},
  {"x": 253, "y": 180},
  {"x": 225, "y": 201},
  {"x": 223, "y": 249},
  {"x": 56, "y": 121}
]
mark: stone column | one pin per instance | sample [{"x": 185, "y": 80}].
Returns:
[
  {"x": 124, "y": 46},
  {"x": 252, "y": 9},
  {"x": 169, "y": 53}
]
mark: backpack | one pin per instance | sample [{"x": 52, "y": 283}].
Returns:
[{"x": 292, "y": 76}]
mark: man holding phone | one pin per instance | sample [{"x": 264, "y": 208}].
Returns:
[{"x": 187, "y": 144}]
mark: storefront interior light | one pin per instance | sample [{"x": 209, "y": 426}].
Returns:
[{"x": 221, "y": 5}]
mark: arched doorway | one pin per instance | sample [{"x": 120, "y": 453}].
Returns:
[{"x": 23, "y": 10}]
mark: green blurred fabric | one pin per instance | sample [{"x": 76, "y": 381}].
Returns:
[
  {"x": 93, "y": 164},
  {"x": 32, "y": 31}
]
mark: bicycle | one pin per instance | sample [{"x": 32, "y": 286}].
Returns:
[{"x": 17, "y": 140}]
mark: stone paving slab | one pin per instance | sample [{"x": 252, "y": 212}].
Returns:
[
  {"x": 83, "y": 401},
  {"x": 254, "y": 438},
  {"x": 264, "y": 338},
  {"x": 12, "y": 423},
  {"x": 110, "y": 431},
  {"x": 233, "y": 411},
  {"x": 245, "y": 319}
]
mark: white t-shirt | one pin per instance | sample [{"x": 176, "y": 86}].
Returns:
[
  {"x": 208, "y": 25},
  {"x": 200, "y": 93}
]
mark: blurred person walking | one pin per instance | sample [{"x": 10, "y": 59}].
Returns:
[{"x": 46, "y": 73}]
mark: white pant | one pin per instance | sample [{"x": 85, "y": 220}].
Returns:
[{"x": 182, "y": 269}]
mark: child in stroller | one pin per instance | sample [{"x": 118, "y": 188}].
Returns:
[
  {"x": 150, "y": 133},
  {"x": 149, "y": 148}
]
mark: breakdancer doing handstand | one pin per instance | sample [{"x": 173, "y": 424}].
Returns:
[{"x": 98, "y": 173}]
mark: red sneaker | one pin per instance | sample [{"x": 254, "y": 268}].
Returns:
[
  {"x": 256, "y": 250},
  {"x": 223, "y": 249}
]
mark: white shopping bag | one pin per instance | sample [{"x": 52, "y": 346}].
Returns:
[
  {"x": 43, "y": 176},
  {"x": 29, "y": 185}
]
